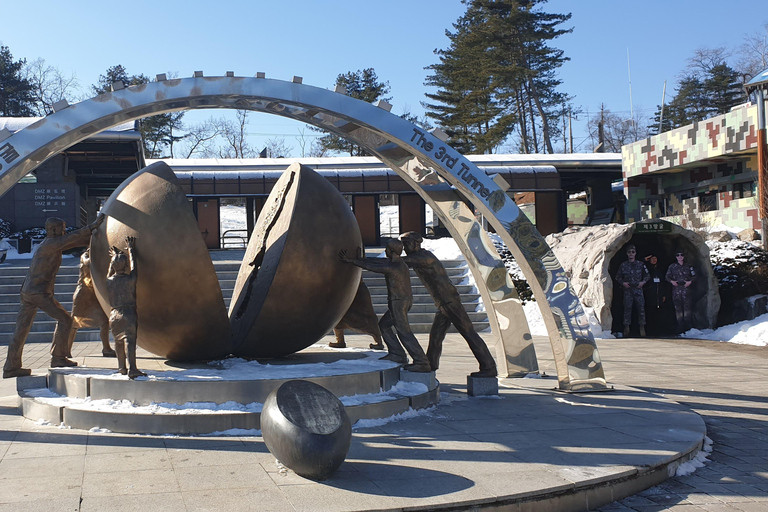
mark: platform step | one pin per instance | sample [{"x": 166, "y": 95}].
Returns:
[{"x": 203, "y": 400}]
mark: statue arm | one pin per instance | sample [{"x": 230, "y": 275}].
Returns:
[{"x": 131, "y": 242}]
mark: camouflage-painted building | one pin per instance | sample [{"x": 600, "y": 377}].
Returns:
[{"x": 700, "y": 175}]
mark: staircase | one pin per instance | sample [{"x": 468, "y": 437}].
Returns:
[{"x": 12, "y": 275}]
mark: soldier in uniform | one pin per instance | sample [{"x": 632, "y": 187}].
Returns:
[
  {"x": 681, "y": 275},
  {"x": 632, "y": 276}
]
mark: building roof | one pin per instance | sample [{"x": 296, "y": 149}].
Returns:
[{"x": 759, "y": 80}]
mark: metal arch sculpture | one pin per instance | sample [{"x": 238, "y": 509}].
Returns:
[{"x": 438, "y": 173}]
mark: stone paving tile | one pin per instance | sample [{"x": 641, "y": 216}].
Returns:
[
  {"x": 237, "y": 500},
  {"x": 235, "y": 476},
  {"x": 119, "y": 483},
  {"x": 33, "y": 467},
  {"x": 61, "y": 504},
  {"x": 135, "y": 460},
  {"x": 165, "y": 501}
]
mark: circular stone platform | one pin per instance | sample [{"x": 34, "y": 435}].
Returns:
[{"x": 217, "y": 397}]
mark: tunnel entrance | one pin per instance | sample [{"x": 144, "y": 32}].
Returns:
[{"x": 657, "y": 292}]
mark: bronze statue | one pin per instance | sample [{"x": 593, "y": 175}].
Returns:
[
  {"x": 37, "y": 293},
  {"x": 359, "y": 317},
  {"x": 450, "y": 310},
  {"x": 179, "y": 300},
  {"x": 394, "y": 324},
  {"x": 86, "y": 310},
  {"x": 121, "y": 289}
]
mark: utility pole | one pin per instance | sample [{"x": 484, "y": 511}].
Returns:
[
  {"x": 570, "y": 128},
  {"x": 565, "y": 141},
  {"x": 759, "y": 85}
]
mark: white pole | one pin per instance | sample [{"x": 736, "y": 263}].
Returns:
[{"x": 663, "y": 96}]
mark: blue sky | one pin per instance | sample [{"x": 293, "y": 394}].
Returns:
[{"x": 320, "y": 39}]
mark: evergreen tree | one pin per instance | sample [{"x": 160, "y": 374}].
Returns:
[
  {"x": 709, "y": 87},
  {"x": 498, "y": 76},
  {"x": 16, "y": 98},
  {"x": 364, "y": 85},
  {"x": 159, "y": 132}
]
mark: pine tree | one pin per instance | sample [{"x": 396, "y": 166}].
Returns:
[
  {"x": 499, "y": 75},
  {"x": 16, "y": 98},
  {"x": 363, "y": 85},
  {"x": 159, "y": 132}
]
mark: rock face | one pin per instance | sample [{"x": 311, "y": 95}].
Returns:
[
  {"x": 748, "y": 235},
  {"x": 292, "y": 287},
  {"x": 591, "y": 255},
  {"x": 179, "y": 302}
]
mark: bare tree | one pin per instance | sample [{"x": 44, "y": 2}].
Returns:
[
  {"x": 616, "y": 131},
  {"x": 277, "y": 148},
  {"x": 704, "y": 59},
  {"x": 754, "y": 53},
  {"x": 200, "y": 139},
  {"x": 49, "y": 85},
  {"x": 317, "y": 149},
  {"x": 234, "y": 133}
]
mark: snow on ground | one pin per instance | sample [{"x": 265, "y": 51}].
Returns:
[
  {"x": 239, "y": 369},
  {"x": 232, "y": 217},
  {"x": 748, "y": 332}
]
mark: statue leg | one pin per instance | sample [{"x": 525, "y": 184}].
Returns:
[
  {"x": 436, "y": 336},
  {"x": 459, "y": 317},
  {"x": 394, "y": 348},
  {"x": 24, "y": 321},
  {"x": 399, "y": 310},
  {"x": 340, "y": 341},
  {"x": 72, "y": 334},
  {"x": 106, "y": 350},
  {"x": 133, "y": 371},
  {"x": 61, "y": 333},
  {"x": 118, "y": 332}
]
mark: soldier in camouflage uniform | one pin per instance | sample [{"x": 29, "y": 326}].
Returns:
[
  {"x": 632, "y": 276},
  {"x": 681, "y": 276}
]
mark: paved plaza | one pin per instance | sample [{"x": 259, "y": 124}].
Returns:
[{"x": 468, "y": 451}]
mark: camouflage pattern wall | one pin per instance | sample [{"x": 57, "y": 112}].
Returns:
[{"x": 700, "y": 175}]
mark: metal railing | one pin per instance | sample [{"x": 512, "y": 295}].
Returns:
[{"x": 234, "y": 241}]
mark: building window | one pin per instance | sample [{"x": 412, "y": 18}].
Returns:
[
  {"x": 708, "y": 201},
  {"x": 744, "y": 189}
]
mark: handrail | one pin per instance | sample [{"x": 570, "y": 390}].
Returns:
[{"x": 240, "y": 241}]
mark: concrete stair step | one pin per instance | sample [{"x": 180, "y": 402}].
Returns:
[
  {"x": 427, "y": 307},
  {"x": 425, "y": 298},
  {"x": 419, "y": 289}
]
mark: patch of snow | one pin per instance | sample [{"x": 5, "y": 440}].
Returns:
[
  {"x": 409, "y": 414},
  {"x": 253, "y": 432},
  {"x": 748, "y": 332},
  {"x": 443, "y": 248},
  {"x": 535, "y": 320},
  {"x": 239, "y": 369},
  {"x": 701, "y": 458}
]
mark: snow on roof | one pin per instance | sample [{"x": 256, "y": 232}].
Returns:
[{"x": 14, "y": 124}]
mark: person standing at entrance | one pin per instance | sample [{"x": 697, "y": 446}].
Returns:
[
  {"x": 681, "y": 275},
  {"x": 632, "y": 276},
  {"x": 655, "y": 295}
]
